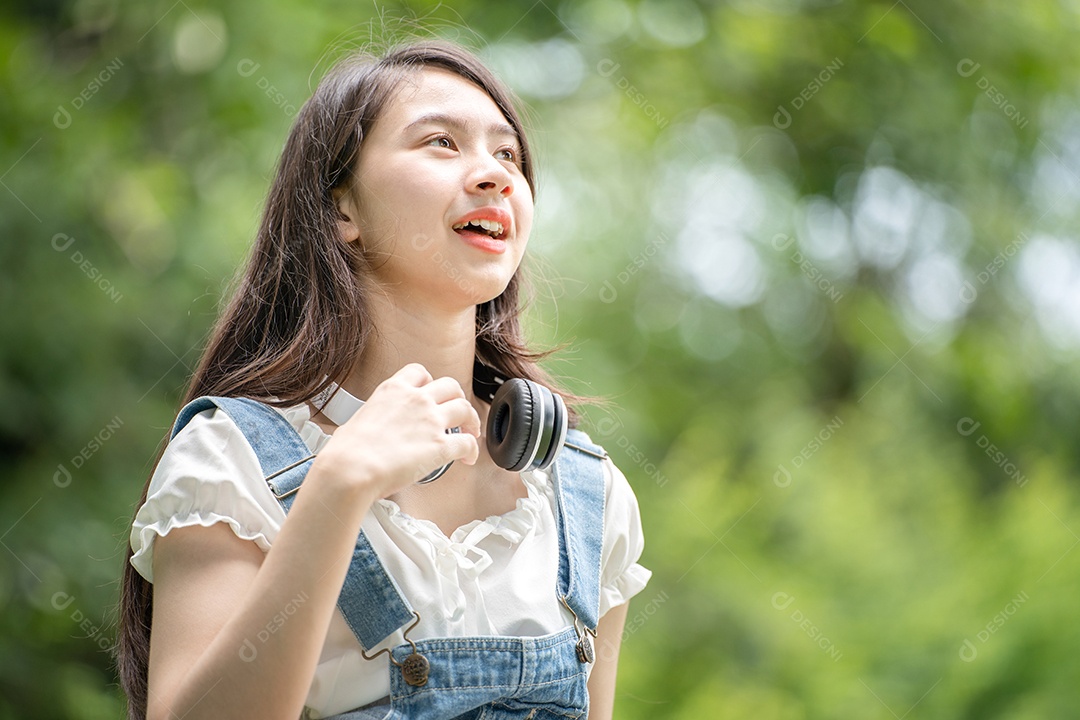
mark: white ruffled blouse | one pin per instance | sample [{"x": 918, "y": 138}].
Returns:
[{"x": 482, "y": 580}]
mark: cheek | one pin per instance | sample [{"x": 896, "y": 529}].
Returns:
[
  {"x": 398, "y": 193},
  {"x": 524, "y": 215},
  {"x": 400, "y": 188}
]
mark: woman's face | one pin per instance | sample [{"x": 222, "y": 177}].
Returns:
[{"x": 440, "y": 202}]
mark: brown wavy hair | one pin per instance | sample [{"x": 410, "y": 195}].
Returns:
[{"x": 299, "y": 314}]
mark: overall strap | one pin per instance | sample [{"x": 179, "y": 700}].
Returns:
[
  {"x": 578, "y": 475},
  {"x": 370, "y": 600}
]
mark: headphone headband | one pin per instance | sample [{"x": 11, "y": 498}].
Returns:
[{"x": 538, "y": 433}]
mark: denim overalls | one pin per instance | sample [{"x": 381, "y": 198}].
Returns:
[{"x": 458, "y": 677}]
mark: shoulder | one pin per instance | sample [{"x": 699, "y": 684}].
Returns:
[
  {"x": 615, "y": 483},
  {"x": 233, "y": 427},
  {"x": 208, "y": 443}
]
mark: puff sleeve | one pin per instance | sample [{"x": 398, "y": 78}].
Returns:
[
  {"x": 207, "y": 474},
  {"x": 621, "y": 577}
]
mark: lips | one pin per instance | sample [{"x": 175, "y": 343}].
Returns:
[{"x": 490, "y": 222}]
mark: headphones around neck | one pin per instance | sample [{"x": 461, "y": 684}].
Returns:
[{"x": 526, "y": 424}]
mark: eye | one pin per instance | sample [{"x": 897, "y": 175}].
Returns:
[
  {"x": 443, "y": 141},
  {"x": 507, "y": 153}
]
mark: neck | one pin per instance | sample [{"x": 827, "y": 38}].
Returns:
[{"x": 441, "y": 340}]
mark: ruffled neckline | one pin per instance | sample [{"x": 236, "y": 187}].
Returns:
[{"x": 512, "y": 525}]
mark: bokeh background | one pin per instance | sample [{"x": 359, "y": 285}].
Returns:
[{"x": 821, "y": 256}]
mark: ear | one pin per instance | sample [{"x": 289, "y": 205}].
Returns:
[{"x": 348, "y": 223}]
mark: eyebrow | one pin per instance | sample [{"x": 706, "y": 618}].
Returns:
[{"x": 456, "y": 123}]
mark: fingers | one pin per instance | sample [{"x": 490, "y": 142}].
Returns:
[
  {"x": 441, "y": 390},
  {"x": 414, "y": 374},
  {"x": 457, "y": 412},
  {"x": 463, "y": 446},
  {"x": 444, "y": 389},
  {"x": 452, "y": 408},
  {"x": 460, "y": 413}
]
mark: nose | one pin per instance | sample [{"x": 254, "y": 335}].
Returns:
[
  {"x": 506, "y": 191},
  {"x": 490, "y": 176}
]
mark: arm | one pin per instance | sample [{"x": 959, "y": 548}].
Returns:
[
  {"x": 237, "y": 634},
  {"x": 602, "y": 679},
  {"x": 213, "y": 595}
]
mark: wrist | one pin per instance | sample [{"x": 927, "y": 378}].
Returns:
[{"x": 358, "y": 488}]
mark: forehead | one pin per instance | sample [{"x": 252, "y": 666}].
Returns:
[{"x": 434, "y": 92}]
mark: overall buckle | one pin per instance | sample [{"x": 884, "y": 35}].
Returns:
[
  {"x": 416, "y": 667},
  {"x": 584, "y": 647}
]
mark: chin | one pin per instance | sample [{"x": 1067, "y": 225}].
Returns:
[
  {"x": 484, "y": 297},
  {"x": 481, "y": 287}
]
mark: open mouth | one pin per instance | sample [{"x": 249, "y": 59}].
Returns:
[{"x": 491, "y": 228}]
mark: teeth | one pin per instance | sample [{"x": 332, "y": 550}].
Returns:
[{"x": 493, "y": 227}]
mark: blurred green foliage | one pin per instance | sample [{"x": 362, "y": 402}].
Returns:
[{"x": 821, "y": 255}]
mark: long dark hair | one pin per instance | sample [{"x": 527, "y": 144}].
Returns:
[{"x": 300, "y": 312}]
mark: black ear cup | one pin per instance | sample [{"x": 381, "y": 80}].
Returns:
[
  {"x": 558, "y": 427},
  {"x": 526, "y": 426},
  {"x": 512, "y": 429}
]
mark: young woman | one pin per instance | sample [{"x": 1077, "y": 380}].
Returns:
[{"x": 386, "y": 268}]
